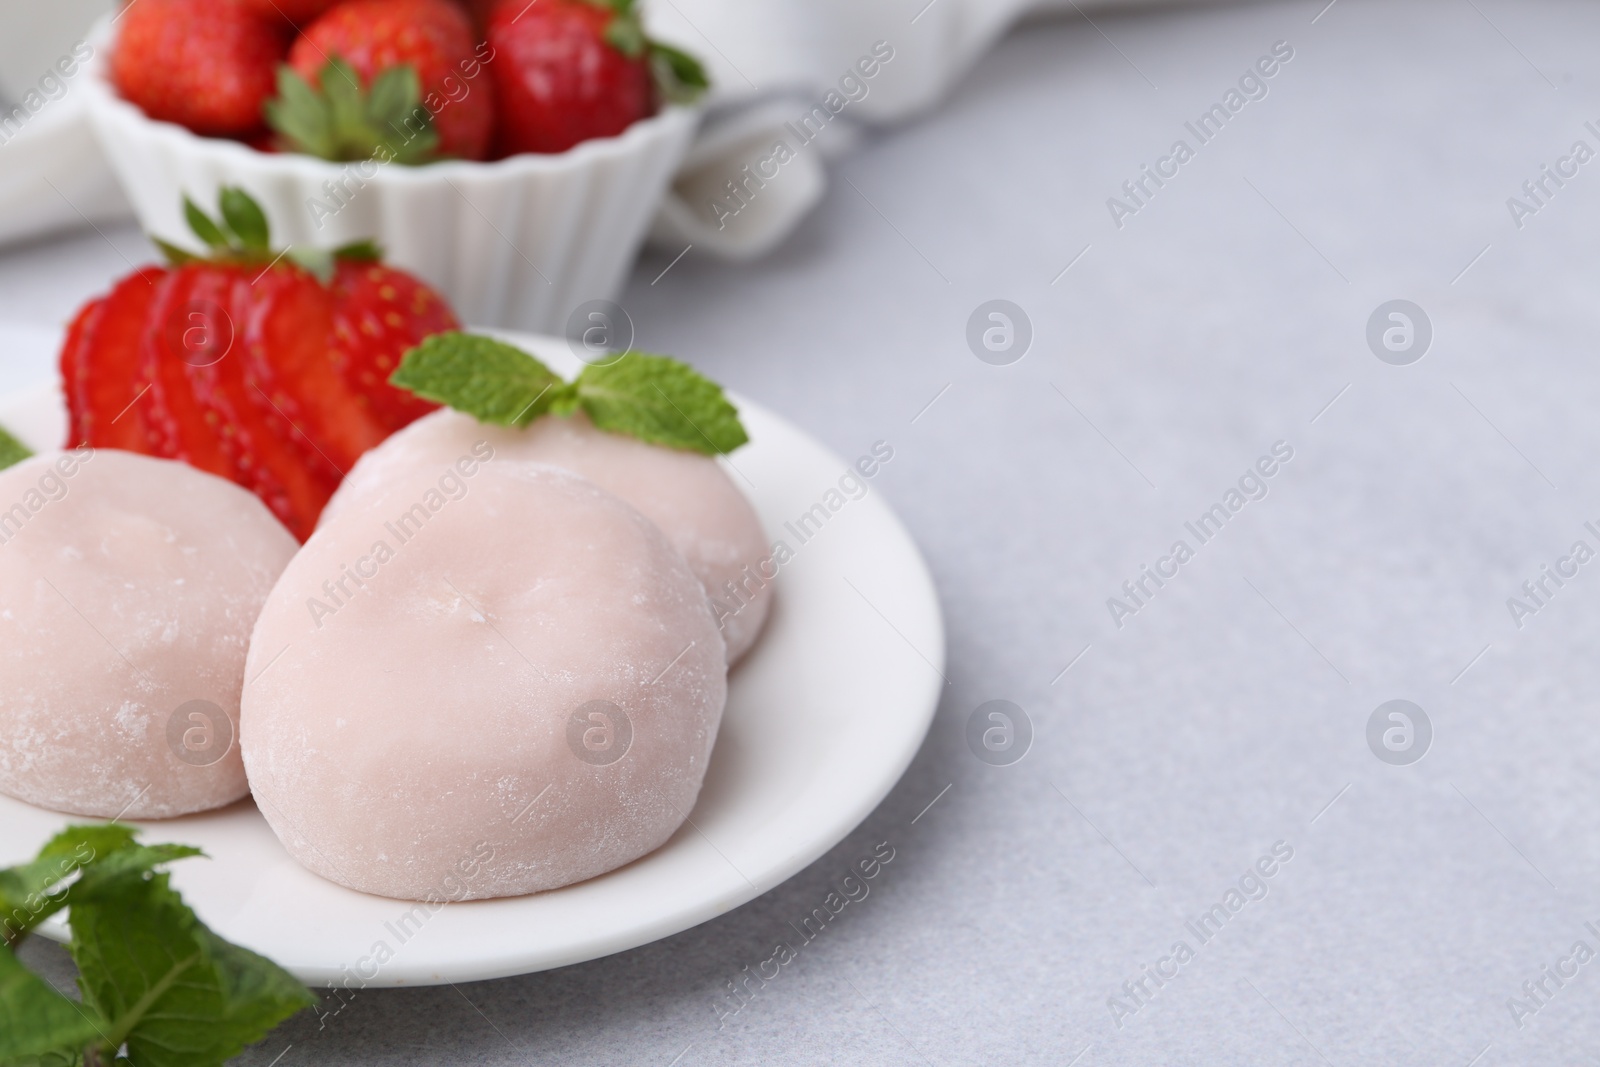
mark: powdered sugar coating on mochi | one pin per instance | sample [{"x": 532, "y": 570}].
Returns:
[
  {"x": 688, "y": 495},
  {"x": 128, "y": 589},
  {"x": 421, "y": 659}
]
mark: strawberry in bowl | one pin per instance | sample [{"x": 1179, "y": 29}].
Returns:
[
  {"x": 416, "y": 52},
  {"x": 512, "y": 156},
  {"x": 266, "y": 367}
]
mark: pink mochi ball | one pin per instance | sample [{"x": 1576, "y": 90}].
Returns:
[
  {"x": 128, "y": 589},
  {"x": 688, "y": 495},
  {"x": 482, "y": 679}
]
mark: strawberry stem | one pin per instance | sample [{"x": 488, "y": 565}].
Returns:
[
  {"x": 340, "y": 120},
  {"x": 243, "y": 236}
]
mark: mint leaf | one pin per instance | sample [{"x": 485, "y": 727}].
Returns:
[
  {"x": 171, "y": 990},
  {"x": 26, "y": 897},
  {"x": 154, "y": 978},
  {"x": 662, "y": 401},
  {"x": 41, "y": 1024},
  {"x": 12, "y": 451},
  {"x": 488, "y": 379}
]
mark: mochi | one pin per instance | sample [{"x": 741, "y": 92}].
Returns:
[
  {"x": 688, "y": 495},
  {"x": 482, "y": 679},
  {"x": 128, "y": 589}
]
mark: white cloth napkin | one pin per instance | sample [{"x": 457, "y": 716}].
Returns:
[{"x": 785, "y": 72}]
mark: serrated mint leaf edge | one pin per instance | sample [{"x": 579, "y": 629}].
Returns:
[
  {"x": 595, "y": 392},
  {"x": 495, "y": 382},
  {"x": 561, "y": 398}
]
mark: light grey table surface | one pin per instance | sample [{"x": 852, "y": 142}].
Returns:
[{"x": 1230, "y": 713}]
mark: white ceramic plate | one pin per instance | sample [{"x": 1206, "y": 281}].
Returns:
[{"x": 823, "y": 717}]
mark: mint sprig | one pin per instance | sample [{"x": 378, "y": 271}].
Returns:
[
  {"x": 242, "y": 236},
  {"x": 12, "y": 451},
  {"x": 653, "y": 398},
  {"x": 155, "y": 980}
]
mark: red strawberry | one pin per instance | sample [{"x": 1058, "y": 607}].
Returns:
[
  {"x": 249, "y": 364},
  {"x": 100, "y": 369},
  {"x": 380, "y": 314},
  {"x": 560, "y": 78},
  {"x": 434, "y": 37},
  {"x": 209, "y": 65},
  {"x": 299, "y": 12}
]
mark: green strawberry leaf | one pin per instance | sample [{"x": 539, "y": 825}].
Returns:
[
  {"x": 318, "y": 262},
  {"x": 488, "y": 379},
  {"x": 171, "y": 990},
  {"x": 363, "y": 251},
  {"x": 244, "y": 237},
  {"x": 679, "y": 76},
  {"x": 246, "y": 219},
  {"x": 337, "y": 119},
  {"x": 395, "y": 92},
  {"x": 298, "y": 115},
  {"x": 204, "y": 226},
  {"x": 176, "y": 256},
  {"x": 662, "y": 401},
  {"x": 626, "y": 35},
  {"x": 12, "y": 451},
  {"x": 41, "y": 1024}
]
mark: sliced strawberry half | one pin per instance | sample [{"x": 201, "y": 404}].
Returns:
[
  {"x": 288, "y": 344},
  {"x": 188, "y": 323},
  {"x": 267, "y": 368},
  {"x": 269, "y": 457},
  {"x": 101, "y": 373},
  {"x": 380, "y": 314}
]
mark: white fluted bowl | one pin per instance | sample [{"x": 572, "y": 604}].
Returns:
[{"x": 518, "y": 243}]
